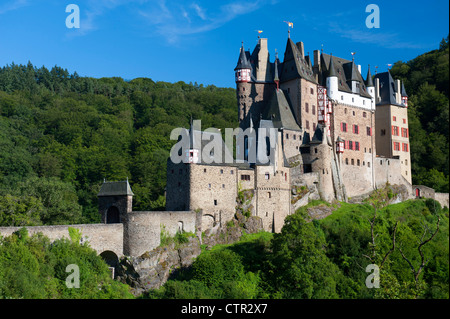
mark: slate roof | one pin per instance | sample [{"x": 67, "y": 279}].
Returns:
[
  {"x": 279, "y": 112},
  {"x": 388, "y": 88},
  {"x": 346, "y": 72},
  {"x": 243, "y": 62},
  {"x": 295, "y": 65},
  {"x": 115, "y": 189}
]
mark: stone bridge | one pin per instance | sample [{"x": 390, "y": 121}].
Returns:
[{"x": 106, "y": 239}]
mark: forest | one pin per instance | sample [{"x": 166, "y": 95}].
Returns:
[{"x": 62, "y": 135}]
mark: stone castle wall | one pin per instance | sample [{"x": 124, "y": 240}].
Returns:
[{"x": 101, "y": 237}]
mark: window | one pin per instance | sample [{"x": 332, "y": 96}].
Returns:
[
  {"x": 364, "y": 113},
  {"x": 368, "y": 164},
  {"x": 343, "y": 127},
  {"x": 346, "y": 161},
  {"x": 221, "y": 171},
  {"x": 350, "y": 145},
  {"x": 405, "y": 147},
  {"x": 353, "y": 161},
  {"x": 353, "y": 111},
  {"x": 267, "y": 175},
  {"x": 394, "y": 130},
  {"x": 356, "y": 146},
  {"x": 406, "y": 162},
  {"x": 215, "y": 202},
  {"x": 312, "y": 91},
  {"x": 223, "y": 185},
  {"x": 231, "y": 172},
  {"x": 204, "y": 170},
  {"x": 396, "y": 146},
  {"x": 313, "y": 110},
  {"x": 404, "y": 132},
  {"x": 314, "y": 126},
  {"x": 355, "y": 129},
  {"x": 209, "y": 186},
  {"x": 369, "y": 131},
  {"x": 358, "y": 162},
  {"x": 287, "y": 136},
  {"x": 307, "y": 125},
  {"x": 383, "y": 132},
  {"x": 245, "y": 177},
  {"x": 342, "y": 98},
  {"x": 269, "y": 194},
  {"x": 404, "y": 121},
  {"x": 306, "y": 107},
  {"x": 294, "y": 136},
  {"x": 394, "y": 118}
]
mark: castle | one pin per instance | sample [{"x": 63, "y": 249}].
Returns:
[
  {"x": 332, "y": 134},
  {"x": 337, "y": 134}
]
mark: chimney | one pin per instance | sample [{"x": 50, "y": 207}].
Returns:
[
  {"x": 398, "y": 93},
  {"x": 377, "y": 90},
  {"x": 301, "y": 48},
  {"x": 316, "y": 65},
  {"x": 359, "y": 68}
]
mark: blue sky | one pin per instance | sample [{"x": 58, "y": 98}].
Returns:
[{"x": 199, "y": 40}]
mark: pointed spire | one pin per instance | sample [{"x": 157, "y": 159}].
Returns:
[
  {"x": 242, "y": 62},
  {"x": 369, "y": 81},
  {"x": 276, "y": 79},
  {"x": 331, "y": 70}
]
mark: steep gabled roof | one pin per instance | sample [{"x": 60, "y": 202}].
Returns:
[
  {"x": 279, "y": 112},
  {"x": 295, "y": 65},
  {"x": 346, "y": 71},
  {"x": 388, "y": 88}
]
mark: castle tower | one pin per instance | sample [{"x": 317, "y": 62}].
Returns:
[
  {"x": 243, "y": 88},
  {"x": 115, "y": 201},
  {"x": 391, "y": 116}
]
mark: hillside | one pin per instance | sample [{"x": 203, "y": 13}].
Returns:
[
  {"x": 61, "y": 135},
  {"x": 327, "y": 259}
]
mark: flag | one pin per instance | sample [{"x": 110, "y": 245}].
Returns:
[
  {"x": 259, "y": 31},
  {"x": 353, "y": 53},
  {"x": 290, "y": 24}
]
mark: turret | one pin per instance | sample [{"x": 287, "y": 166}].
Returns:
[
  {"x": 404, "y": 96},
  {"x": 332, "y": 81},
  {"x": 369, "y": 83},
  {"x": 276, "y": 79},
  {"x": 243, "y": 67}
]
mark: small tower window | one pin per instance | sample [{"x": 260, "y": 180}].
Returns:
[
  {"x": 215, "y": 202},
  {"x": 267, "y": 175}
]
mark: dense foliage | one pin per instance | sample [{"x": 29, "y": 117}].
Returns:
[
  {"x": 34, "y": 268},
  {"x": 61, "y": 135},
  {"x": 426, "y": 83},
  {"x": 328, "y": 258}
]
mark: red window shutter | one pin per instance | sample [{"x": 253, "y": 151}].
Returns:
[
  {"x": 406, "y": 130},
  {"x": 392, "y": 129}
]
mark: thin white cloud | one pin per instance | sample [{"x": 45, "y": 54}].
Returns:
[
  {"x": 166, "y": 20},
  {"x": 199, "y": 11},
  {"x": 13, "y": 5},
  {"x": 387, "y": 40}
]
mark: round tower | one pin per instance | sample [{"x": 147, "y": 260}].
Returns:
[{"x": 242, "y": 78}]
